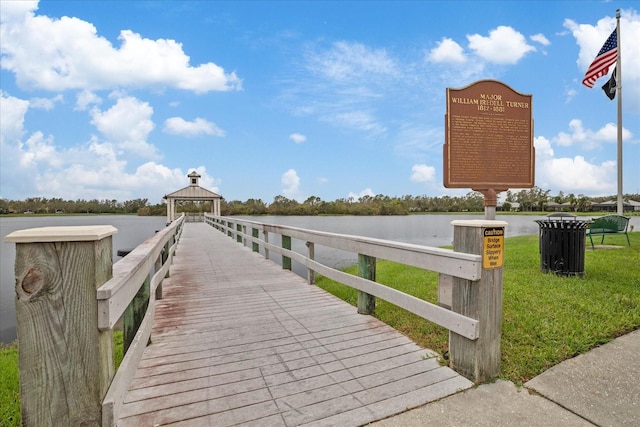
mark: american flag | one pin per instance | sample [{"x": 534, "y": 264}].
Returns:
[{"x": 606, "y": 57}]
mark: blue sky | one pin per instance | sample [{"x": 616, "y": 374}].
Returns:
[{"x": 122, "y": 99}]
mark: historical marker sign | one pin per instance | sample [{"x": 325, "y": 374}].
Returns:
[{"x": 488, "y": 138}]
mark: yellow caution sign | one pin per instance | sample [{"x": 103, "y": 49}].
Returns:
[{"x": 493, "y": 248}]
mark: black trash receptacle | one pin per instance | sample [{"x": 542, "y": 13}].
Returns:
[{"x": 562, "y": 244}]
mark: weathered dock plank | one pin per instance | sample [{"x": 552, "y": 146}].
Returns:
[{"x": 239, "y": 341}]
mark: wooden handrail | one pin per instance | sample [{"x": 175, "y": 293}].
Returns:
[
  {"x": 117, "y": 294},
  {"x": 129, "y": 273},
  {"x": 468, "y": 276},
  {"x": 445, "y": 261}
]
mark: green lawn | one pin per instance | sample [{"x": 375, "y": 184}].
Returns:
[
  {"x": 9, "y": 390},
  {"x": 546, "y": 318},
  {"x": 10, "y": 386}
]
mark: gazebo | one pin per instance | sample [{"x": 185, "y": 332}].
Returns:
[{"x": 192, "y": 193}]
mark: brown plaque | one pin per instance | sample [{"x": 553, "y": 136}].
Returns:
[{"x": 488, "y": 137}]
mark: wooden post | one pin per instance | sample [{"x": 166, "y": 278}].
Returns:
[
  {"x": 286, "y": 244},
  {"x": 366, "y": 270},
  {"x": 445, "y": 283},
  {"x": 164, "y": 256},
  {"x": 479, "y": 360},
  {"x": 311, "y": 251},
  {"x": 266, "y": 242},
  {"x": 254, "y": 233},
  {"x": 134, "y": 313},
  {"x": 65, "y": 362}
]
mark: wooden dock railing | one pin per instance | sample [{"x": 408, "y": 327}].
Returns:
[
  {"x": 470, "y": 280},
  {"x": 69, "y": 297}
]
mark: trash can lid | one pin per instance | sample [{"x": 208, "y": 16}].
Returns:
[
  {"x": 561, "y": 215},
  {"x": 563, "y": 224}
]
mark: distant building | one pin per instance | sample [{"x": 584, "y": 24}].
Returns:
[
  {"x": 513, "y": 206},
  {"x": 612, "y": 206}
]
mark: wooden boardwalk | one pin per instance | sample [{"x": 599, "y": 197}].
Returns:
[{"x": 239, "y": 341}]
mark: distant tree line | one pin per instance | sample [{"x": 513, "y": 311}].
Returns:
[
  {"x": 43, "y": 205},
  {"x": 366, "y": 205},
  {"x": 530, "y": 200}
]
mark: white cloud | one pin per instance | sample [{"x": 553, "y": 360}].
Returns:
[
  {"x": 359, "y": 120},
  {"x": 19, "y": 156},
  {"x": 67, "y": 53},
  {"x": 588, "y": 139},
  {"x": 127, "y": 124},
  {"x": 206, "y": 180},
  {"x": 15, "y": 10},
  {"x": 361, "y": 194},
  {"x": 85, "y": 99},
  {"x": 347, "y": 61},
  {"x": 577, "y": 175},
  {"x": 200, "y": 126},
  {"x": 540, "y": 38},
  {"x": 45, "y": 103},
  {"x": 291, "y": 183},
  {"x": 590, "y": 39},
  {"x": 347, "y": 85},
  {"x": 423, "y": 173},
  {"x": 571, "y": 93},
  {"x": 418, "y": 142},
  {"x": 297, "y": 138},
  {"x": 543, "y": 148},
  {"x": 504, "y": 45},
  {"x": 85, "y": 181},
  {"x": 93, "y": 170},
  {"x": 346, "y": 82},
  {"x": 74, "y": 56},
  {"x": 39, "y": 151},
  {"x": 573, "y": 174},
  {"x": 12, "y": 112},
  {"x": 456, "y": 66},
  {"x": 447, "y": 51}
]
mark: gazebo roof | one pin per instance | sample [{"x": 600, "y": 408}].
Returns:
[{"x": 193, "y": 192}]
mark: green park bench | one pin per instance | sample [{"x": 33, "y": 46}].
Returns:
[{"x": 608, "y": 224}]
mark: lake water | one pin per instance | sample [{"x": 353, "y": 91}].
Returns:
[{"x": 428, "y": 230}]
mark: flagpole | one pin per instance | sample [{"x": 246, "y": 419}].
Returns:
[{"x": 619, "y": 89}]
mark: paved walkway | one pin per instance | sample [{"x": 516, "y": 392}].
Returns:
[
  {"x": 601, "y": 387},
  {"x": 237, "y": 340}
]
